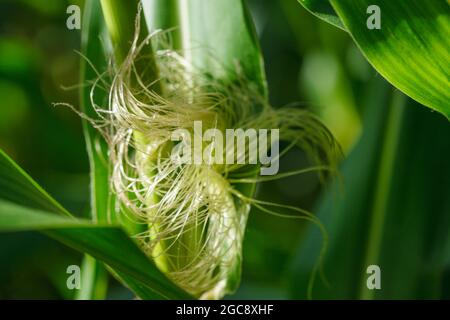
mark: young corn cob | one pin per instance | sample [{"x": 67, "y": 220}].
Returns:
[{"x": 191, "y": 217}]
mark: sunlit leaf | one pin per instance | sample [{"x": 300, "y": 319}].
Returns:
[
  {"x": 106, "y": 243},
  {"x": 324, "y": 10},
  {"x": 411, "y": 49}
]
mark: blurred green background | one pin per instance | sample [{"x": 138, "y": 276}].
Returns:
[{"x": 392, "y": 209}]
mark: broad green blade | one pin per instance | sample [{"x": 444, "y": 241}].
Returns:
[
  {"x": 393, "y": 210},
  {"x": 18, "y": 187},
  {"x": 115, "y": 248},
  {"x": 108, "y": 244},
  {"x": 15, "y": 217},
  {"x": 324, "y": 10},
  {"x": 34, "y": 209},
  {"x": 412, "y": 47}
]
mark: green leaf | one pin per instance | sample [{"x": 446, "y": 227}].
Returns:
[
  {"x": 106, "y": 243},
  {"x": 411, "y": 50},
  {"x": 207, "y": 39},
  {"x": 209, "y": 28},
  {"x": 390, "y": 212},
  {"x": 323, "y": 10},
  {"x": 94, "y": 280},
  {"x": 164, "y": 15},
  {"x": 18, "y": 187},
  {"x": 113, "y": 247},
  {"x": 14, "y": 217}
]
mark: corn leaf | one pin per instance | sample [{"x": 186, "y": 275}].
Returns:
[
  {"x": 14, "y": 217},
  {"x": 231, "y": 48},
  {"x": 203, "y": 32},
  {"x": 411, "y": 50},
  {"x": 24, "y": 206},
  {"x": 17, "y": 186},
  {"x": 109, "y": 244},
  {"x": 373, "y": 221},
  {"x": 164, "y": 15},
  {"x": 323, "y": 10}
]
